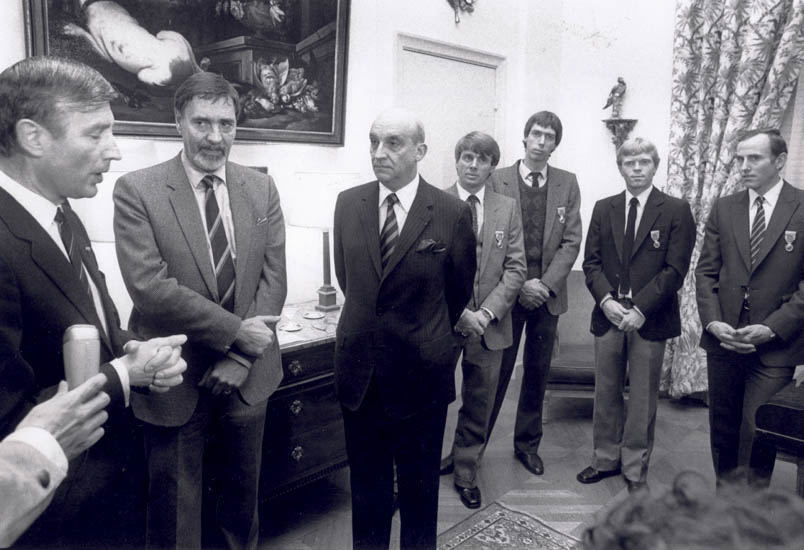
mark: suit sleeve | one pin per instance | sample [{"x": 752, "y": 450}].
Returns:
[
  {"x": 596, "y": 279},
  {"x": 28, "y": 481},
  {"x": 337, "y": 244},
  {"x": 273, "y": 286},
  {"x": 564, "y": 258},
  {"x": 787, "y": 321},
  {"x": 676, "y": 264},
  {"x": 461, "y": 265},
  {"x": 153, "y": 291},
  {"x": 502, "y": 297},
  {"x": 707, "y": 272}
]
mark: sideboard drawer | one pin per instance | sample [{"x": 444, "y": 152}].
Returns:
[
  {"x": 311, "y": 405},
  {"x": 303, "y": 454},
  {"x": 307, "y": 363}
]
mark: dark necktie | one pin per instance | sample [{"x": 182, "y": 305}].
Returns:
[
  {"x": 390, "y": 231},
  {"x": 72, "y": 246},
  {"x": 534, "y": 179},
  {"x": 221, "y": 252},
  {"x": 757, "y": 228},
  {"x": 628, "y": 245},
  {"x": 473, "y": 202}
]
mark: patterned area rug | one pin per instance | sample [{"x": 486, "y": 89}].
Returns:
[{"x": 497, "y": 527}]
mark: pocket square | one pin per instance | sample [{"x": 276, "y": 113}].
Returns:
[
  {"x": 261, "y": 221},
  {"x": 429, "y": 245}
]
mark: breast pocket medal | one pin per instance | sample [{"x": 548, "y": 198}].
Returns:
[
  {"x": 654, "y": 236},
  {"x": 498, "y": 237},
  {"x": 789, "y": 238},
  {"x": 561, "y": 211}
]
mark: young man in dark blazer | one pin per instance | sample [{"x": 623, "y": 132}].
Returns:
[
  {"x": 750, "y": 289},
  {"x": 637, "y": 254},
  {"x": 550, "y": 202},
  {"x": 405, "y": 260},
  {"x": 56, "y": 143},
  {"x": 485, "y": 324}
]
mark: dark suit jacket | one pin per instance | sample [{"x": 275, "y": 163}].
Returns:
[
  {"x": 164, "y": 257},
  {"x": 562, "y": 227},
  {"x": 398, "y": 327},
  {"x": 657, "y": 272},
  {"x": 501, "y": 269},
  {"x": 775, "y": 285},
  {"x": 40, "y": 297}
]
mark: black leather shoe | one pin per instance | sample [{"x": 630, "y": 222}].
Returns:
[
  {"x": 634, "y": 486},
  {"x": 447, "y": 467},
  {"x": 532, "y": 463},
  {"x": 590, "y": 475},
  {"x": 470, "y": 496}
]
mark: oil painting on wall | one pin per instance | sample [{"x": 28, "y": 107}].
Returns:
[{"x": 287, "y": 58}]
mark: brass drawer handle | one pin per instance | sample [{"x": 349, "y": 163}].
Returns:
[
  {"x": 295, "y": 367},
  {"x": 297, "y": 453},
  {"x": 296, "y": 407}
]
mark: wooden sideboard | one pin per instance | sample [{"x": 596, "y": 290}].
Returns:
[{"x": 304, "y": 438}]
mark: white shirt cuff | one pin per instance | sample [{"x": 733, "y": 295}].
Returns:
[
  {"x": 122, "y": 372},
  {"x": 41, "y": 440}
]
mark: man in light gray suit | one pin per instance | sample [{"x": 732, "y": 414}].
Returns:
[
  {"x": 201, "y": 245},
  {"x": 550, "y": 202},
  {"x": 485, "y": 324}
]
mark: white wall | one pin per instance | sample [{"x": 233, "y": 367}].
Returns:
[{"x": 561, "y": 55}]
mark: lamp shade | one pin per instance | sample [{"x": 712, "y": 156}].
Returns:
[{"x": 312, "y": 202}]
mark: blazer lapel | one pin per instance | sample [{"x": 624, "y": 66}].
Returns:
[
  {"x": 243, "y": 219},
  {"x": 553, "y": 192},
  {"x": 490, "y": 208},
  {"x": 739, "y": 221},
  {"x": 786, "y": 205},
  {"x": 185, "y": 207},
  {"x": 369, "y": 212},
  {"x": 649, "y": 215},
  {"x": 421, "y": 211},
  {"x": 617, "y": 220}
]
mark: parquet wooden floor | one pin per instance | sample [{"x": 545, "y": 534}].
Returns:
[{"x": 318, "y": 517}]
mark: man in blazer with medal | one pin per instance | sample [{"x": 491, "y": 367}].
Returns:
[
  {"x": 404, "y": 256},
  {"x": 637, "y": 254},
  {"x": 56, "y": 143},
  {"x": 201, "y": 245},
  {"x": 750, "y": 290},
  {"x": 485, "y": 324},
  {"x": 550, "y": 202}
]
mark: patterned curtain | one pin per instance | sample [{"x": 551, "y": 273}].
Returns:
[{"x": 735, "y": 67}]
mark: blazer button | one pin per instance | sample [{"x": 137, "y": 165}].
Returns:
[
  {"x": 380, "y": 312},
  {"x": 43, "y": 477}
]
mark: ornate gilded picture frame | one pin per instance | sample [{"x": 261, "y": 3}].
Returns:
[{"x": 287, "y": 58}]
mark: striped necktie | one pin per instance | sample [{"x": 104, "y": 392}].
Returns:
[
  {"x": 72, "y": 246},
  {"x": 221, "y": 252},
  {"x": 757, "y": 229},
  {"x": 390, "y": 231}
]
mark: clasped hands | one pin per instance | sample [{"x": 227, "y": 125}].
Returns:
[
  {"x": 155, "y": 363},
  {"x": 742, "y": 340},
  {"x": 472, "y": 323},
  {"x": 533, "y": 294},
  {"x": 255, "y": 335},
  {"x": 624, "y": 318}
]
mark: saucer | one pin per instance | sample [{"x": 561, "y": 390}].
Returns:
[
  {"x": 290, "y": 327},
  {"x": 313, "y": 315}
]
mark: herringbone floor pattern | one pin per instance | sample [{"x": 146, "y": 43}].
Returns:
[{"x": 318, "y": 517}]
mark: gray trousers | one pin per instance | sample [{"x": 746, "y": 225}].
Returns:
[
  {"x": 624, "y": 437},
  {"x": 481, "y": 373}
]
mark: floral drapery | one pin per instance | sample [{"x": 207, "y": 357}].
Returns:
[{"x": 735, "y": 67}]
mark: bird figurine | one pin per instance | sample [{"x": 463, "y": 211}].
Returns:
[{"x": 615, "y": 99}]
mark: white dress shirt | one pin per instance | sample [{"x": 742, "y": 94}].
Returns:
[
  {"x": 402, "y": 206},
  {"x": 524, "y": 173},
  {"x": 463, "y": 194},
  {"x": 771, "y": 197},
  {"x": 642, "y": 199}
]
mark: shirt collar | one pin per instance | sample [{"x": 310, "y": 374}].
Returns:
[
  {"x": 771, "y": 196},
  {"x": 642, "y": 196},
  {"x": 42, "y": 210},
  {"x": 405, "y": 195},
  {"x": 463, "y": 194},
  {"x": 524, "y": 172},
  {"x": 195, "y": 176}
]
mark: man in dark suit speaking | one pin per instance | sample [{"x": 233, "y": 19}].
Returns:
[
  {"x": 750, "y": 290},
  {"x": 405, "y": 260},
  {"x": 637, "y": 254}
]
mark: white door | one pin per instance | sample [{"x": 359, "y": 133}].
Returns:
[{"x": 454, "y": 91}]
